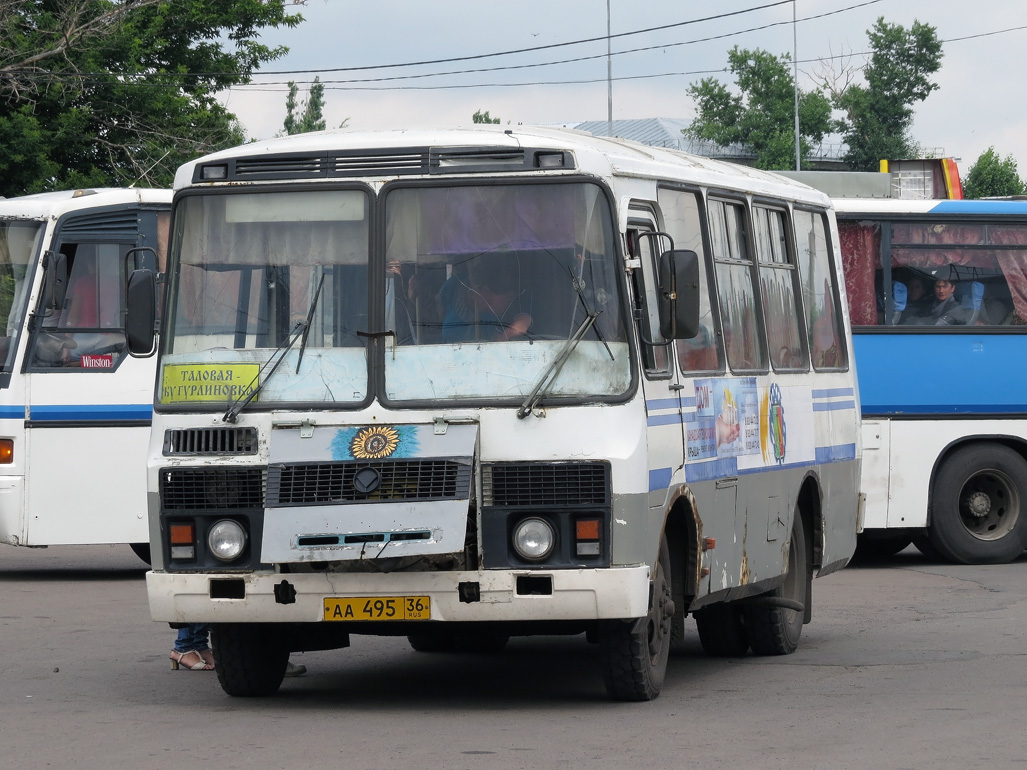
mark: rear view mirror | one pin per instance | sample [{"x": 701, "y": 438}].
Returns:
[
  {"x": 141, "y": 319},
  {"x": 55, "y": 282},
  {"x": 679, "y": 294}
]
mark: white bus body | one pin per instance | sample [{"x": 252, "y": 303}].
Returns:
[
  {"x": 75, "y": 408},
  {"x": 416, "y": 383}
]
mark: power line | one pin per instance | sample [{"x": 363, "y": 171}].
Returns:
[{"x": 576, "y": 60}]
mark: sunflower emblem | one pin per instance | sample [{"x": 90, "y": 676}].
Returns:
[{"x": 374, "y": 442}]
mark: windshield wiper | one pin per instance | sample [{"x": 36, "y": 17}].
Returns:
[
  {"x": 309, "y": 321},
  {"x": 233, "y": 411},
  {"x": 553, "y": 370},
  {"x": 578, "y": 283}
]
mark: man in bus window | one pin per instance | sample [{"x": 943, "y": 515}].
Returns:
[{"x": 946, "y": 310}]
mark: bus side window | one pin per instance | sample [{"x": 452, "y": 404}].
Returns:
[
  {"x": 738, "y": 310},
  {"x": 87, "y": 332},
  {"x": 823, "y": 315},
  {"x": 683, "y": 221},
  {"x": 777, "y": 282}
]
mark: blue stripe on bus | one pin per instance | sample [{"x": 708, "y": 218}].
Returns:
[
  {"x": 728, "y": 466},
  {"x": 659, "y": 478},
  {"x": 833, "y": 392},
  {"x": 662, "y": 403},
  {"x": 834, "y": 454},
  {"x": 980, "y": 207},
  {"x": 73, "y": 412},
  {"x": 12, "y": 412},
  {"x": 958, "y": 373},
  {"x": 833, "y": 406},
  {"x": 663, "y": 419}
]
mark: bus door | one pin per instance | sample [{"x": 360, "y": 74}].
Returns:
[
  {"x": 660, "y": 381},
  {"x": 88, "y": 403}
]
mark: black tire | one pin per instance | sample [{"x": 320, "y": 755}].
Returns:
[
  {"x": 142, "y": 550},
  {"x": 977, "y": 514},
  {"x": 877, "y": 546},
  {"x": 248, "y": 659},
  {"x": 635, "y": 653},
  {"x": 722, "y": 631},
  {"x": 923, "y": 544},
  {"x": 773, "y": 629}
]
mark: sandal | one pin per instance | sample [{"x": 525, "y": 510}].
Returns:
[
  {"x": 207, "y": 655},
  {"x": 179, "y": 659}
]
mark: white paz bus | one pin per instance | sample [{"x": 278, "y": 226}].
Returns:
[
  {"x": 468, "y": 384},
  {"x": 75, "y": 408}
]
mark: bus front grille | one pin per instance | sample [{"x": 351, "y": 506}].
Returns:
[
  {"x": 533, "y": 485},
  {"x": 358, "y": 482},
  {"x": 210, "y": 441},
  {"x": 197, "y": 489}
]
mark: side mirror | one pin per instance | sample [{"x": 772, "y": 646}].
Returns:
[
  {"x": 143, "y": 258},
  {"x": 679, "y": 294},
  {"x": 55, "y": 282},
  {"x": 141, "y": 317}
]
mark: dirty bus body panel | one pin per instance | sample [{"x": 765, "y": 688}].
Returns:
[
  {"x": 459, "y": 385},
  {"x": 75, "y": 408}
]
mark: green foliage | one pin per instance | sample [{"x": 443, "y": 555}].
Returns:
[
  {"x": 312, "y": 118},
  {"x": 484, "y": 117},
  {"x": 878, "y": 115},
  {"x": 991, "y": 177},
  {"x": 761, "y": 116},
  {"x": 104, "y": 92}
]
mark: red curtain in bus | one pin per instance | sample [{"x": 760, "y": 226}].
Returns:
[{"x": 861, "y": 255}]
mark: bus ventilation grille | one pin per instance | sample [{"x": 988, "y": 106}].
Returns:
[
  {"x": 521, "y": 485},
  {"x": 328, "y": 483},
  {"x": 210, "y": 441},
  {"x": 189, "y": 489}
]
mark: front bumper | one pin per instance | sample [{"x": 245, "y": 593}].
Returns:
[{"x": 580, "y": 594}]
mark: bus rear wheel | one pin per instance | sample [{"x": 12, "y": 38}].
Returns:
[
  {"x": 635, "y": 653},
  {"x": 977, "y": 514},
  {"x": 248, "y": 659},
  {"x": 774, "y": 622},
  {"x": 722, "y": 631}
]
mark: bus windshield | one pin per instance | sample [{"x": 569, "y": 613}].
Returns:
[
  {"x": 19, "y": 243},
  {"x": 475, "y": 295}
]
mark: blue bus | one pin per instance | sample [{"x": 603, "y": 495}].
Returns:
[{"x": 937, "y": 293}]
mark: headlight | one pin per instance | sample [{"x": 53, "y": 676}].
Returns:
[
  {"x": 533, "y": 539},
  {"x": 227, "y": 540}
]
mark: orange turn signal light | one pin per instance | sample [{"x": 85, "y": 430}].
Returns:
[
  {"x": 182, "y": 534},
  {"x": 6, "y": 451},
  {"x": 587, "y": 529}
]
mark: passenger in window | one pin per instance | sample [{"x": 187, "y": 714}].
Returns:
[
  {"x": 946, "y": 310},
  {"x": 919, "y": 299}
]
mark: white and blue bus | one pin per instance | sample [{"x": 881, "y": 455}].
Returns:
[
  {"x": 75, "y": 408},
  {"x": 459, "y": 385},
  {"x": 937, "y": 293}
]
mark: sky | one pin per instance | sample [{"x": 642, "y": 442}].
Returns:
[{"x": 353, "y": 47}]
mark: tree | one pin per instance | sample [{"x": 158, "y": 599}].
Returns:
[
  {"x": 312, "y": 118},
  {"x": 991, "y": 177},
  {"x": 761, "y": 115},
  {"x": 878, "y": 115},
  {"x": 113, "y": 93},
  {"x": 484, "y": 117}
]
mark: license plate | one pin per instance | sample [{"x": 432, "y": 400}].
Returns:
[{"x": 378, "y": 608}]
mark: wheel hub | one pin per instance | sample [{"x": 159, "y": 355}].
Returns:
[{"x": 978, "y": 504}]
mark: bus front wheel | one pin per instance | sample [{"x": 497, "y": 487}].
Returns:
[
  {"x": 248, "y": 659},
  {"x": 635, "y": 653},
  {"x": 977, "y": 514}
]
